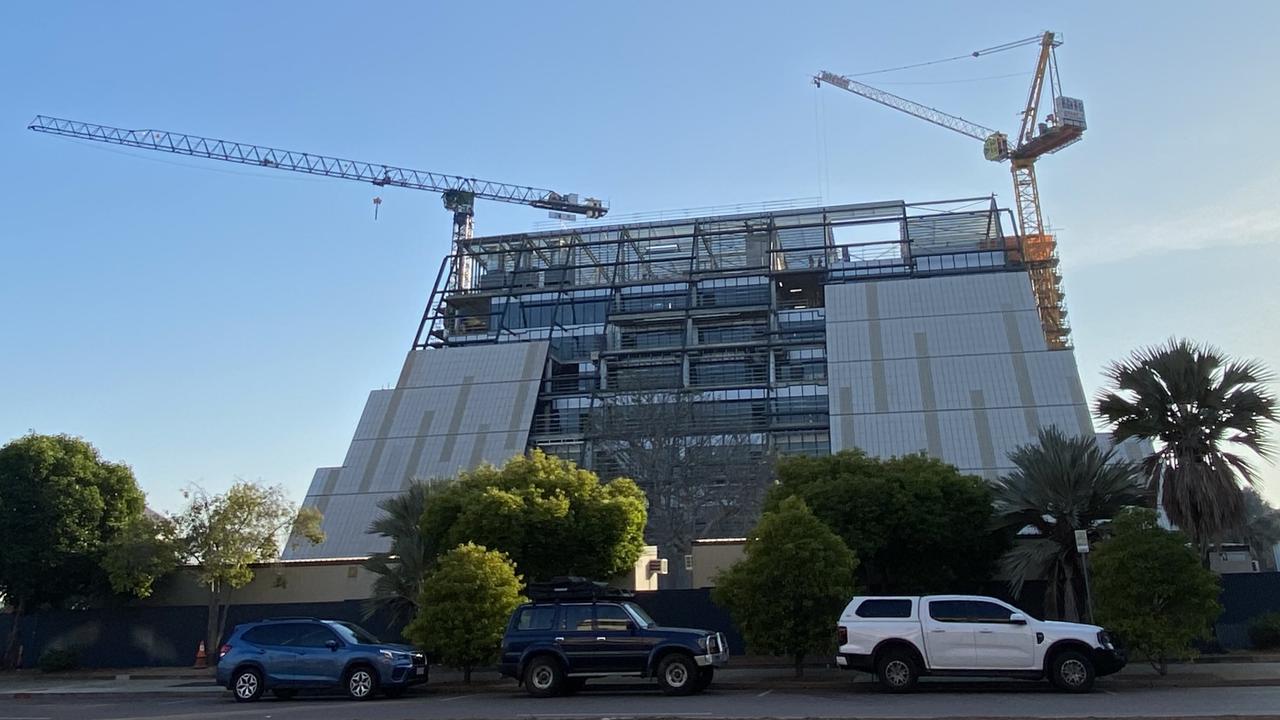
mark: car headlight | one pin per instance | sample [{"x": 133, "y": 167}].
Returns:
[
  {"x": 392, "y": 655},
  {"x": 1104, "y": 640}
]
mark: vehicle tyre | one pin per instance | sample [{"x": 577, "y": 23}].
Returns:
[
  {"x": 1072, "y": 671},
  {"x": 361, "y": 682},
  {"x": 574, "y": 684},
  {"x": 394, "y": 692},
  {"x": 285, "y": 693},
  {"x": 703, "y": 681},
  {"x": 247, "y": 685},
  {"x": 677, "y": 674},
  {"x": 896, "y": 670},
  {"x": 544, "y": 677}
]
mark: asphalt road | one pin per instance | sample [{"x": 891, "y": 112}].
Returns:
[{"x": 939, "y": 701}]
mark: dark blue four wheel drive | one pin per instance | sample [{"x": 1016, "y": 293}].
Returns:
[
  {"x": 574, "y": 631},
  {"x": 290, "y": 654}
]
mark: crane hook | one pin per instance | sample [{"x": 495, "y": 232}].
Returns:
[{"x": 376, "y": 202}]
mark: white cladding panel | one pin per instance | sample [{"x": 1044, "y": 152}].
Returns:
[
  {"x": 452, "y": 410},
  {"x": 956, "y": 367}
]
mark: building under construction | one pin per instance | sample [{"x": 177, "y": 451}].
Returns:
[{"x": 684, "y": 352}]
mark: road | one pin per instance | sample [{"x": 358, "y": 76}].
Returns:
[{"x": 939, "y": 701}]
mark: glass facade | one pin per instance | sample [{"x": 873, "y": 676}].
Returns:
[{"x": 718, "y": 320}]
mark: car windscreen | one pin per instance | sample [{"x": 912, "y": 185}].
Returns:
[
  {"x": 355, "y": 634},
  {"x": 640, "y": 614}
]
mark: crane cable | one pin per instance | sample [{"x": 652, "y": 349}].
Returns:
[{"x": 976, "y": 53}]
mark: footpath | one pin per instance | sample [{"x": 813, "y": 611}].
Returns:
[{"x": 743, "y": 674}]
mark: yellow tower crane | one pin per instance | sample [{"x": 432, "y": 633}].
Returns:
[{"x": 1064, "y": 126}]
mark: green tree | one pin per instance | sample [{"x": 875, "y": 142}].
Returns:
[
  {"x": 223, "y": 535},
  {"x": 1061, "y": 485},
  {"x": 401, "y": 568},
  {"x": 1206, "y": 416},
  {"x": 61, "y": 504},
  {"x": 144, "y": 551},
  {"x": 916, "y": 524},
  {"x": 1261, "y": 528},
  {"x": 1152, "y": 590},
  {"x": 548, "y": 515},
  {"x": 790, "y": 586},
  {"x": 464, "y": 607}
]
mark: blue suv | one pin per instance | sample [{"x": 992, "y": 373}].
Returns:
[{"x": 290, "y": 654}]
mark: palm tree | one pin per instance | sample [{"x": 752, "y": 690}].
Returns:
[
  {"x": 400, "y": 569},
  {"x": 1206, "y": 416},
  {"x": 1061, "y": 484}
]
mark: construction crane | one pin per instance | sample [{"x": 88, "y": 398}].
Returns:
[
  {"x": 1063, "y": 127},
  {"x": 459, "y": 193}
]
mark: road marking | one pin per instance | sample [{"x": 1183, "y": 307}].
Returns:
[
  {"x": 11, "y": 717},
  {"x": 455, "y": 697},
  {"x": 619, "y": 715},
  {"x": 766, "y": 692}
]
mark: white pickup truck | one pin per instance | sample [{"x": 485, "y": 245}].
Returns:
[{"x": 900, "y": 639}]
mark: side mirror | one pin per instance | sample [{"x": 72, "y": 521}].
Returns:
[
  {"x": 331, "y": 644},
  {"x": 1017, "y": 619}
]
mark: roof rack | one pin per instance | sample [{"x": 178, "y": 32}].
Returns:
[{"x": 572, "y": 588}]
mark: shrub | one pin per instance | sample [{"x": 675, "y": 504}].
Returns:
[
  {"x": 1264, "y": 631},
  {"x": 58, "y": 659}
]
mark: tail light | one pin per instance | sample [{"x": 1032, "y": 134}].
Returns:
[
  {"x": 223, "y": 652},
  {"x": 842, "y": 634}
]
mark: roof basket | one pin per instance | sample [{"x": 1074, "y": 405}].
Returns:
[{"x": 574, "y": 589}]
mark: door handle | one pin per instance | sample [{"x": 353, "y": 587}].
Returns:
[
  {"x": 559, "y": 639},
  {"x": 937, "y": 630},
  {"x": 986, "y": 632},
  {"x": 602, "y": 638}
]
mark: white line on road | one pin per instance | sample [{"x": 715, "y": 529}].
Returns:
[
  {"x": 451, "y": 699},
  {"x": 766, "y": 692}
]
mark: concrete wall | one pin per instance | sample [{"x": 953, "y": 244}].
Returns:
[
  {"x": 710, "y": 557},
  {"x": 956, "y": 367},
  {"x": 274, "y": 583},
  {"x": 451, "y": 410}
]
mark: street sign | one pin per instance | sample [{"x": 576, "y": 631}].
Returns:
[{"x": 1082, "y": 541}]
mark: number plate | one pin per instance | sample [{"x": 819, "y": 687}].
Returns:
[{"x": 420, "y": 671}]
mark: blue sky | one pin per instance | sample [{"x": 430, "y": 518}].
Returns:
[{"x": 203, "y": 321}]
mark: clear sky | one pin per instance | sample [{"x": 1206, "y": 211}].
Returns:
[{"x": 203, "y": 321}]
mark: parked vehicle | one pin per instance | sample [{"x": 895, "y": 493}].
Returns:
[
  {"x": 286, "y": 655},
  {"x": 575, "y": 630},
  {"x": 900, "y": 639}
]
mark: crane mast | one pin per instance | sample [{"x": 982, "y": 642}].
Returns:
[
  {"x": 1064, "y": 127},
  {"x": 458, "y": 193}
]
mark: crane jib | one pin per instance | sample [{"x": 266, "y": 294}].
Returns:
[{"x": 312, "y": 164}]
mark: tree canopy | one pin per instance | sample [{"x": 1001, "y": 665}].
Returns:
[
  {"x": 1060, "y": 485},
  {"x": 916, "y": 524},
  {"x": 1152, "y": 590},
  {"x": 548, "y": 515},
  {"x": 791, "y": 584},
  {"x": 61, "y": 505},
  {"x": 223, "y": 535},
  {"x": 1207, "y": 416},
  {"x": 401, "y": 567},
  {"x": 464, "y": 606}
]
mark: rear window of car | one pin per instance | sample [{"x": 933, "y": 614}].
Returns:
[
  {"x": 268, "y": 635},
  {"x": 884, "y": 609},
  {"x": 536, "y": 618}
]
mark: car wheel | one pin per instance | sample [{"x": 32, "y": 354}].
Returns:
[
  {"x": 361, "y": 683},
  {"x": 896, "y": 670},
  {"x": 703, "y": 681},
  {"x": 1072, "y": 671},
  {"x": 285, "y": 693},
  {"x": 247, "y": 685},
  {"x": 544, "y": 677},
  {"x": 394, "y": 692},
  {"x": 677, "y": 674}
]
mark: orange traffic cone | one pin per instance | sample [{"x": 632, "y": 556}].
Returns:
[{"x": 202, "y": 660}]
